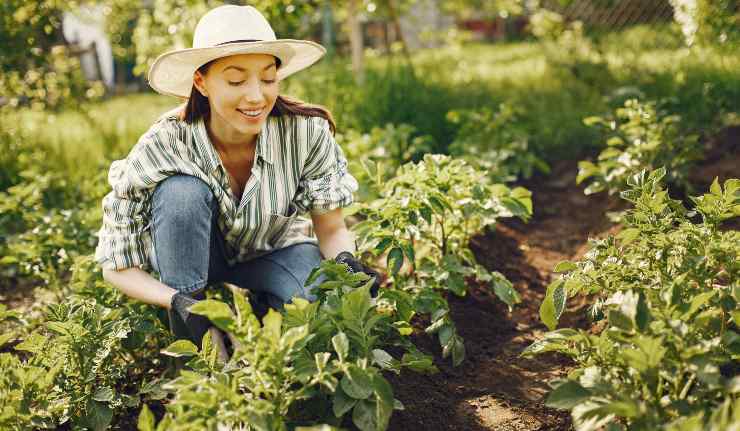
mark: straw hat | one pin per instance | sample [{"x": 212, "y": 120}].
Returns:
[{"x": 223, "y": 31}]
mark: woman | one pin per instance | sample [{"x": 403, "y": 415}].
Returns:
[{"x": 212, "y": 191}]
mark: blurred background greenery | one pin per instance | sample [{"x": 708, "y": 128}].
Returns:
[{"x": 551, "y": 68}]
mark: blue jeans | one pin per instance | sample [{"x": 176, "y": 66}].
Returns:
[{"x": 188, "y": 248}]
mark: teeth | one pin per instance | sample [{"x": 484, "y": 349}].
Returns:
[{"x": 251, "y": 113}]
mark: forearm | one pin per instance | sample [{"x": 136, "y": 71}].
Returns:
[
  {"x": 138, "y": 284},
  {"x": 335, "y": 241}
]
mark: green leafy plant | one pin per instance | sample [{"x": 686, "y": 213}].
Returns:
[
  {"x": 315, "y": 362},
  {"x": 425, "y": 217},
  {"x": 496, "y": 142},
  {"x": 391, "y": 145},
  {"x": 668, "y": 301},
  {"x": 639, "y": 136},
  {"x": 83, "y": 361}
]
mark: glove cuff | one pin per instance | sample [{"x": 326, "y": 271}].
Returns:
[
  {"x": 344, "y": 256},
  {"x": 180, "y": 304}
]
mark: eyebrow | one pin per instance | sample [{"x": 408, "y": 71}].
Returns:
[{"x": 241, "y": 69}]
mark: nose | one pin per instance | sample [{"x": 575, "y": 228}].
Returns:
[{"x": 253, "y": 92}]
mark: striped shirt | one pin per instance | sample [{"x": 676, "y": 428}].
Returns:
[{"x": 298, "y": 168}]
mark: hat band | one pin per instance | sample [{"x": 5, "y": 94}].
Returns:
[{"x": 239, "y": 41}]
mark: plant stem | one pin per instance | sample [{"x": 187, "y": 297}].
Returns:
[
  {"x": 444, "y": 237},
  {"x": 685, "y": 390}
]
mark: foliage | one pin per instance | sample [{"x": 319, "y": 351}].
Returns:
[
  {"x": 477, "y": 8},
  {"x": 37, "y": 68},
  {"x": 572, "y": 53},
  {"x": 53, "y": 173},
  {"x": 639, "y": 136},
  {"x": 495, "y": 142},
  {"x": 76, "y": 368},
  {"x": 668, "y": 294},
  {"x": 425, "y": 216},
  {"x": 327, "y": 353},
  {"x": 46, "y": 222},
  {"x": 708, "y": 21},
  {"x": 392, "y": 145}
]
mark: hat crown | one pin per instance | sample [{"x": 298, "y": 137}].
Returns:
[{"x": 231, "y": 23}]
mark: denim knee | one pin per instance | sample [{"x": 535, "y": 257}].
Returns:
[
  {"x": 183, "y": 213},
  {"x": 185, "y": 196}
]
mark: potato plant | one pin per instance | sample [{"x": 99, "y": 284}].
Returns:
[
  {"x": 392, "y": 145},
  {"x": 668, "y": 289},
  {"x": 313, "y": 363},
  {"x": 639, "y": 136},
  {"x": 75, "y": 367},
  {"x": 495, "y": 142},
  {"x": 424, "y": 218}
]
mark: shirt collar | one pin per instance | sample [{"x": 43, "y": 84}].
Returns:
[{"x": 208, "y": 152}]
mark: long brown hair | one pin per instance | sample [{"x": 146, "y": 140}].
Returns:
[{"x": 197, "y": 105}]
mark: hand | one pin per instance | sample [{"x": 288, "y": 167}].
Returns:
[
  {"x": 356, "y": 267},
  {"x": 196, "y": 325}
]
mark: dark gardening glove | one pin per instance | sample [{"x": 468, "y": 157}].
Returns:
[
  {"x": 357, "y": 267},
  {"x": 184, "y": 323}
]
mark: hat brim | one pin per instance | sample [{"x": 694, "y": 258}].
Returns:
[{"x": 172, "y": 72}]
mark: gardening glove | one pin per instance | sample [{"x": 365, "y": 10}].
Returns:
[
  {"x": 355, "y": 266},
  {"x": 186, "y": 324}
]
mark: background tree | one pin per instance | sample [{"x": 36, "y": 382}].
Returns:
[{"x": 36, "y": 67}]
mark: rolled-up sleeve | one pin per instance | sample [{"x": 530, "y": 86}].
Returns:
[
  {"x": 325, "y": 183},
  {"x": 124, "y": 239}
]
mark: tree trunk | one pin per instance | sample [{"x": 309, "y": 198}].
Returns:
[
  {"x": 396, "y": 20},
  {"x": 327, "y": 29},
  {"x": 355, "y": 39}
]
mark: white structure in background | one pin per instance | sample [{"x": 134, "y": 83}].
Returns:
[
  {"x": 425, "y": 26},
  {"x": 85, "y": 28}
]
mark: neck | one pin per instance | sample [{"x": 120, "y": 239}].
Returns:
[{"x": 230, "y": 141}]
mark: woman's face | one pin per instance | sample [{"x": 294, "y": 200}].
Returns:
[{"x": 241, "y": 91}]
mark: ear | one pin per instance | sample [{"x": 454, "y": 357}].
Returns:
[{"x": 199, "y": 83}]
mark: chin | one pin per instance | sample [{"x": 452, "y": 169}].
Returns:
[{"x": 251, "y": 129}]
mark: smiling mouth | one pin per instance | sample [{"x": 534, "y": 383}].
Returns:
[{"x": 251, "y": 113}]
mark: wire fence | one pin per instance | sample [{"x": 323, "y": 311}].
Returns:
[{"x": 614, "y": 15}]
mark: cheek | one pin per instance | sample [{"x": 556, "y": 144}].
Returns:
[
  {"x": 271, "y": 93},
  {"x": 225, "y": 101}
]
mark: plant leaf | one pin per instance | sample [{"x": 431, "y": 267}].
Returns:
[
  {"x": 342, "y": 403},
  {"x": 357, "y": 383},
  {"x": 341, "y": 345},
  {"x": 567, "y": 395},
  {"x": 217, "y": 312},
  {"x": 553, "y": 304},
  {"x": 180, "y": 348},
  {"x": 395, "y": 260},
  {"x": 146, "y": 419}
]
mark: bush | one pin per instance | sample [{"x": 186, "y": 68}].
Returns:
[
  {"x": 496, "y": 143},
  {"x": 425, "y": 216},
  {"x": 639, "y": 136}
]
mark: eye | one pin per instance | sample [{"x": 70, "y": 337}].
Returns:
[
  {"x": 234, "y": 84},
  {"x": 268, "y": 81}
]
